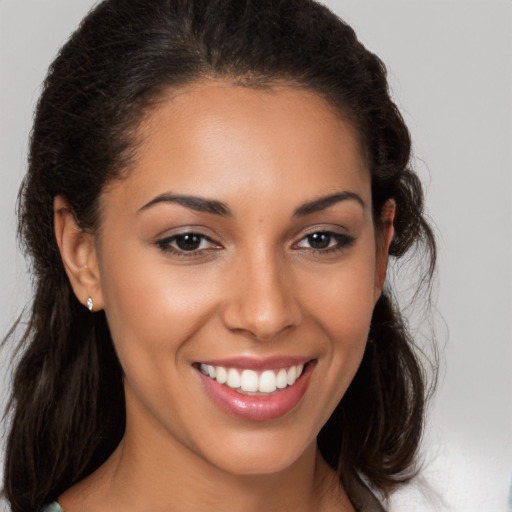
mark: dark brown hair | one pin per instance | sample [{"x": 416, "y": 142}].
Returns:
[{"x": 67, "y": 404}]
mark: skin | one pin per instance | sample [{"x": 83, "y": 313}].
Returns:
[{"x": 255, "y": 287}]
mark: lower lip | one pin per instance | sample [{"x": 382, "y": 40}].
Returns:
[{"x": 260, "y": 407}]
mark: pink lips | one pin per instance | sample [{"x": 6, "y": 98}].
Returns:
[{"x": 258, "y": 407}]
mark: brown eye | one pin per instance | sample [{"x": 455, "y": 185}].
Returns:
[
  {"x": 187, "y": 244},
  {"x": 325, "y": 242},
  {"x": 188, "y": 241},
  {"x": 320, "y": 240}
]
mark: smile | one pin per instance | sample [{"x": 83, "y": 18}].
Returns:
[
  {"x": 251, "y": 381},
  {"x": 256, "y": 390}
]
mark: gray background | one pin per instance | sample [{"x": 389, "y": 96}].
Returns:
[{"x": 450, "y": 64}]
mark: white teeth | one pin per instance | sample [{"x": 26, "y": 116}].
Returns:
[
  {"x": 292, "y": 375},
  {"x": 267, "y": 382},
  {"x": 222, "y": 375},
  {"x": 282, "y": 379},
  {"x": 250, "y": 382},
  {"x": 233, "y": 379}
]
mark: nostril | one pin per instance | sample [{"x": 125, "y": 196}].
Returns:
[{"x": 263, "y": 319}]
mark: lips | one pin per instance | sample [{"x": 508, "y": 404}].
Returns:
[{"x": 256, "y": 390}]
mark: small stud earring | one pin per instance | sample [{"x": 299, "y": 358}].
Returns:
[{"x": 89, "y": 304}]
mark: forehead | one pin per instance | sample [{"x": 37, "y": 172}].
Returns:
[{"x": 227, "y": 141}]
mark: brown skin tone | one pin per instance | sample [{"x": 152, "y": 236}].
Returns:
[{"x": 254, "y": 286}]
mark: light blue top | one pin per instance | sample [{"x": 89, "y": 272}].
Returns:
[{"x": 53, "y": 507}]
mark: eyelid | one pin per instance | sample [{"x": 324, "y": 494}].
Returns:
[
  {"x": 335, "y": 229},
  {"x": 339, "y": 233},
  {"x": 170, "y": 238},
  {"x": 165, "y": 243},
  {"x": 183, "y": 229}
]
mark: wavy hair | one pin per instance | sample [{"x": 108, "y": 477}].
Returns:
[{"x": 66, "y": 409}]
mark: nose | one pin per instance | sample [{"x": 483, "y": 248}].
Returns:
[{"x": 262, "y": 299}]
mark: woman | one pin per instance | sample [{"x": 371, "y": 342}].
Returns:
[{"x": 213, "y": 193}]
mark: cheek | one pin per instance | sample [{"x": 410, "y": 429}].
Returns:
[
  {"x": 154, "y": 312},
  {"x": 342, "y": 298},
  {"x": 153, "y": 307},
  {"x": 347, "y": 322},
  {"x": 341, "y": 302}
]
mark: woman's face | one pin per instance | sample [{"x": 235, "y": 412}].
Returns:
[{"x": 241, "y": 246}]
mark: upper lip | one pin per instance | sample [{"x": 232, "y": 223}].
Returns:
[{"x": 258, "y": 363}]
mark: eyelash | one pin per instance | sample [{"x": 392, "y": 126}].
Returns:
[
  {"x": 165, "y": 245},
  {"x": 342, "y": 242}
]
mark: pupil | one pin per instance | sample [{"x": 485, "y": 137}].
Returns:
[
  {"x": 189, "y": 242},
  {"x": 319, "y": 240}
]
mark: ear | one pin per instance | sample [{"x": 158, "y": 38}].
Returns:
[
  {"x": 78, "y": 252},
  {"x": 384, "y": 238}
]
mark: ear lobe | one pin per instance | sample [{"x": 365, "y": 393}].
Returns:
[
  {"x": 384, "y": 239},
  {"x": 78, "y": 253}
]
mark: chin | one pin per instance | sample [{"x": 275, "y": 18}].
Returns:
[{"x": 263, "y": 456}]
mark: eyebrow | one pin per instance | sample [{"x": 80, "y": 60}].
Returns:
[
  {"x": 325, "y": 202},
  {"x": 193, "y": 202},
  {"x": 215, "y": 207}
]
